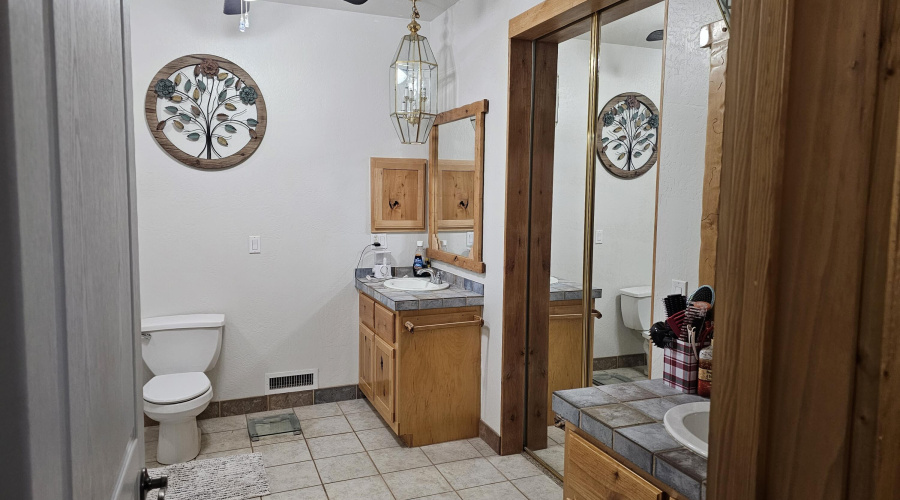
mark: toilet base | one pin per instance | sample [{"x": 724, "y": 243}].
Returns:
[{"x": 178, "y": 441}]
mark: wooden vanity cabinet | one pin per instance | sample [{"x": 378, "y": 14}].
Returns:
[
  {"x": 591, "y": 474},
  {"x": 564, "y": 356},
  {"x": 421, "y": 370}
]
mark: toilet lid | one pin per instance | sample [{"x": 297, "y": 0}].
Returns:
[{"x": 175, "y": 388}]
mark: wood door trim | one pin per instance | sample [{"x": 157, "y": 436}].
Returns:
[
  {"x": 516, "y": 248},
  {"x": 791, "y": 376}
]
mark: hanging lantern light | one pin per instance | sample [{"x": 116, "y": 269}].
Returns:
[{"x": 414, "y": 81}]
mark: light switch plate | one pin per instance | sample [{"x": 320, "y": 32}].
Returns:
[
  {"x": 470, "y": 238},
  {"x": 254, "y": 244},
  {"x": 380, "y": 238},
  {"x": 598, "y": 237},
  {"x": 680, "y": 287}
]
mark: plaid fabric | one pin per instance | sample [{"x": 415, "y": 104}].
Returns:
[{"x": 680, "y": 367}]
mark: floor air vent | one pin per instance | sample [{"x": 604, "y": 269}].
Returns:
[{"x": 300, "y": 380}]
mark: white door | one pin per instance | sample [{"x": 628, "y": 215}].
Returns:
[{"x": 76, "y": 235}]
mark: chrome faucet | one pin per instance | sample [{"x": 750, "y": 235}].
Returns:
[{"x": 436, "y": 275}]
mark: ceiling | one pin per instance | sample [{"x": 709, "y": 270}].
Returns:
[
  {"x": 633, "y": 30},
  {"x": 428, "y": 9}
]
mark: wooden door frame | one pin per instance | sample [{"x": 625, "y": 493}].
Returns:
[
  {"x": 807, "y": 398},
  {"x": 534, "y": 37}
]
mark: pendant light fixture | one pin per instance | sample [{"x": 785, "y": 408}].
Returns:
[{"x": 414, "y": 82}]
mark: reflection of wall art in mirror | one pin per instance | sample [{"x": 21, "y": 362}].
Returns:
[
  {"x": 205, "y": 111},
  {"x": 627, "y": 135}
]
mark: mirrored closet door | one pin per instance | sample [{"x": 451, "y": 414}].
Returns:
[{"x": 608, "y": 87}]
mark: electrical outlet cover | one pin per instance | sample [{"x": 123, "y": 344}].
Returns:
[{"x": 380, "y": 238}]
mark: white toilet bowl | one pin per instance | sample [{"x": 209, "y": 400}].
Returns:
[
  {"x": 174, "y": 402},
  {"x": 178, "y": 350}
]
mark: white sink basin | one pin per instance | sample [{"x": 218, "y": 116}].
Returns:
[
  {"x": 689, "y": 425},
  {"x": 414, "y": 284}
]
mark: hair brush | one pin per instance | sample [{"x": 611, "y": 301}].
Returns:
[
  {"x": 674, "y": 303},
  {"x": 662, "y": 336},
  {"x": 704, "y": 294}
]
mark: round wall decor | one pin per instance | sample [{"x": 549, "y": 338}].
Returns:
[
  {"x": 205, "y": 111},
  {"x": 627, "y": 134}
]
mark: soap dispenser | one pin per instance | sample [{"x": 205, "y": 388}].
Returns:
[{"x": 419, "y": 260}]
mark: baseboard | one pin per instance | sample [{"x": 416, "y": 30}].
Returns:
[
  {"x": 255, "y": 404},
  {"x": 489, "y": 436}
]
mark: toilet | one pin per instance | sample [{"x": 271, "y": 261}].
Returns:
[
  {"x": 636, "y": 311},
  {"x": 178, "y": 350}
]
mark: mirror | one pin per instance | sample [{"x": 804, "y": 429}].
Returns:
[
  {"x": 628, "y": 97},
  {"x": 456, "y": 167}
]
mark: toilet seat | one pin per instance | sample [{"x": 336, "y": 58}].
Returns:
[{"x": 176, "y": 388}]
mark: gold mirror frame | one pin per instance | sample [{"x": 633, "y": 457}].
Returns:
[{"x": 473, "y": 262}]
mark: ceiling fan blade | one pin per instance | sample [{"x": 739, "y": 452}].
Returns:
[
  {"x": 232, "y": 7},
  {"x": 655, "y": 36},
  {"x": 356, "y": 2}
]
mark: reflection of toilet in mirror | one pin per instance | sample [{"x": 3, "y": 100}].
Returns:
[{"x": 636, "y": 311}]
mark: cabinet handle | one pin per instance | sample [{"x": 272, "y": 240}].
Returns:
[{"x": 477, "y": 321}]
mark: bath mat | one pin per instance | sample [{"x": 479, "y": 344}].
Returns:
[{"x": 237, "y": 477}]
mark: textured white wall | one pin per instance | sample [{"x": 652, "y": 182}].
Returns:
[
  {"x": 471, "y": 43},
  {"x": 306, "y": 190},
  {"x": 683, "y": 135}
]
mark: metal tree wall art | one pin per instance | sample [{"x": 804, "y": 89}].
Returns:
[
  {"x": 627, "y": 134},
  {"x": 206, "y": 112}
]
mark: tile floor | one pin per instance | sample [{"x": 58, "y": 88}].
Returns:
[{"x": 347, "y": 452}]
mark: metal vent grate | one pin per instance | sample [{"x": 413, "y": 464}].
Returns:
[{"x": 277, "y": 383}]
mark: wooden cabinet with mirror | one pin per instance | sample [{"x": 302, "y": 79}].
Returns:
[{"x": 456, "y": 172}]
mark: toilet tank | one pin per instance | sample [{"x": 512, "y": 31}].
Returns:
[
  {"x": 181, "y": 344},
  {"x": 636, "y": 307}
]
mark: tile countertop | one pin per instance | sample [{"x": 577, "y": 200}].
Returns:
[
  {"x": 628, "y": 418},
  {"x": 570, "y": 290},
  {"x": 462, "y": 292}
]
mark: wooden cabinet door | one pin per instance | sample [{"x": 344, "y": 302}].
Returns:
[
  {"x": 383, "y": 382},
  {"x": 565, "y": 355},
  {"x": 398, "y": 195},
  {"x": 366, "y": 360},
  {"x": 367, "y": 311},
  {"x": 591, "y": 474}
]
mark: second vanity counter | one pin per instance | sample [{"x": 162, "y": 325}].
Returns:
[
  {"x": 627, "y": 420},
  {"x": 462, "y": 292}
]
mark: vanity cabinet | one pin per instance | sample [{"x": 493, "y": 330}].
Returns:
[
  {"x": 591, "y": 474},
  {"x": 564, "y": 356},
  {"x": 421, "y": 370}
]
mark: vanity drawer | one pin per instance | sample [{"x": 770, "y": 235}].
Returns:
[
  {"x": 591, "y": 474},
  {"x": 384, "y": 323},
  {"x": 367, "y": 311}
]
